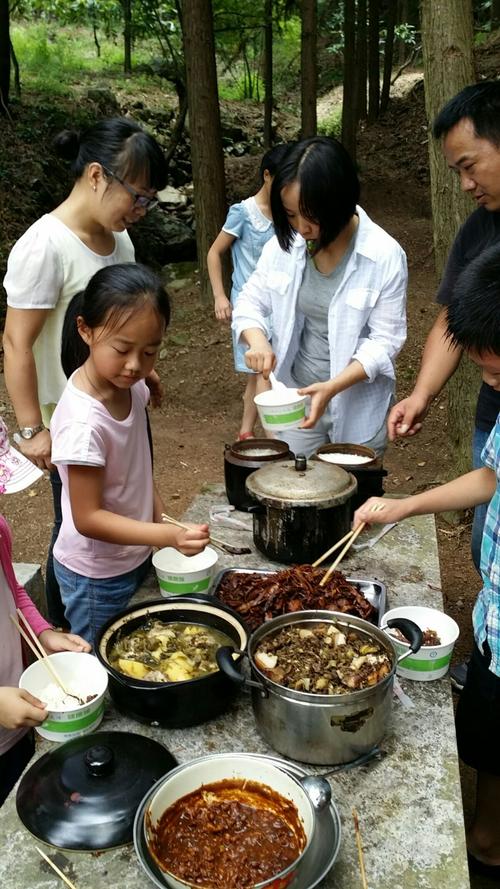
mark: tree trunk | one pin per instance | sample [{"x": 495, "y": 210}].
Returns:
[
  {"x": 17, "y": 76},
  {"x": 204, "y": 129},
  {"x": 4, "y": 57},
  {"x": 268, "y": 73},
  {"x": 361, "y": 61},
  {"x": 495, "y": 14},
  {"x": 127, "y": 36},
  {"x": 349, "y": 103},
  {"x": 373, "y": 60},
  {"x": 448, "y": 67},
  {"x": 388, "y": 55},
  {"x": 309, "y": 68}
]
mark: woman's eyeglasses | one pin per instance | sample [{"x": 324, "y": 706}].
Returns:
[{"x": 140, "y": 200}]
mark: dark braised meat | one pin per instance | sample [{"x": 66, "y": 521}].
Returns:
[
  {"x": 322, "y": 658},
  {"x": 259, "y": 597},
  {"x": 429, "y": 637}
]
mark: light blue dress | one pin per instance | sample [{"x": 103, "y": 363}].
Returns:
[{"x": 251, "y": 230}]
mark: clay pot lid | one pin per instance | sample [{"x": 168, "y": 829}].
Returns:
[{"x": 84, "y": 794}]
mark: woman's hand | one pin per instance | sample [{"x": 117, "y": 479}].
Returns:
[
  {"x": 320, "y": 394},
  {"x": 54, "y": 641},
  {"x": 192, "y": 541},
  {"x": 223, "y": 308},
  {"x": 155, "y": 387},
  {"x": 18, "y": 708},
  {"x": 37, "y": 449},
  {"x": 381, "y": 511},
  {"x": 261, "y": 359}
]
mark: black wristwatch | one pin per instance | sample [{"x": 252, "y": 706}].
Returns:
[{"x": 28, "y": 432}]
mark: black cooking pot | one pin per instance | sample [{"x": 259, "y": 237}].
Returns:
[
  {"x": 302, "y": 508},
  {"x": 242, "y": 458},
  {"x": 172, "y": 704}
]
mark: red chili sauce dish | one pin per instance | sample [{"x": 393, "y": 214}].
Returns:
[{"x": 234, "y": 834}]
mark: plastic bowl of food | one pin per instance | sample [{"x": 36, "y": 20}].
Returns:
[
  {"x": 440, "y": 634},
  {"x": 178, "y": 574},
  {"x": 82, "y": 675},
  {"x": 280, "y": 409},
  {"x": 275, "y": 806}
]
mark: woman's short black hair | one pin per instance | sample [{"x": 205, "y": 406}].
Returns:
[
  {"x": 474, "y": 315},
  {"x": 479, "y": 103},
  {"x": 112, "y": 294},
  {"x": 329, "y": 188},
  {"x": 121, "y": 146},
  {"x": 272, "y": 159}
]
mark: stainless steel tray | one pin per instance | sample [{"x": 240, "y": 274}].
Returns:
[
  {"x": 373, "y": 590},
  {"x": 317, "y": 861}
]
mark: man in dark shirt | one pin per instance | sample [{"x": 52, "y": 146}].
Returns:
[{"x": 469, "y": 125}]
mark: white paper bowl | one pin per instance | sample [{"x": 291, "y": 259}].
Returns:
[
  {"x": 280, "y": 409},
  {"x": 220, "y": 767},
  {"x": 80, "y": 671},
  {"x": 178, "y": 574},
  {"x": 432, "y": 661}
]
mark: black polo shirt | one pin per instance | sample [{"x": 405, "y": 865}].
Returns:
[{"x": 479, "y": 231}]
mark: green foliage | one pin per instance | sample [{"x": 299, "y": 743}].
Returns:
[{"x": 331, "y": 125}]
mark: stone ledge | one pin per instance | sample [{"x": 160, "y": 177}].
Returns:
[{"x": 29, "y": 575}]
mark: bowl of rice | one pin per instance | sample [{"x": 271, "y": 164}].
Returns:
[
  {"x": 84, "y": 677},
  {"x": 350, "y": 456}
]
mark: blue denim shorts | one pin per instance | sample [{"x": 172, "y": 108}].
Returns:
[{"x": 91, "y": 601}]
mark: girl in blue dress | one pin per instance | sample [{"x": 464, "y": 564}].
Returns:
[{"x": 247, "y": 228}]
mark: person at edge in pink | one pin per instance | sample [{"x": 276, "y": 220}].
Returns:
[{"x": 19, "y": 710}]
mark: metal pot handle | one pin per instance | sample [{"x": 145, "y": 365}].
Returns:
[
  {"x": 410, "y": 630},
  {"x": 225, "y": 663}
]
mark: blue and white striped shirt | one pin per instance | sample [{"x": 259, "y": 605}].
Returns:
[{"x": 486, "y": 613}]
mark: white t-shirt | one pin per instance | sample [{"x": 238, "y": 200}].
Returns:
[
  {"x": 85, "y": 434},
  {"x": 46, "y": 267}
]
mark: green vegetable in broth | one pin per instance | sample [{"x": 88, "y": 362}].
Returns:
[{"x": 173, "y": 652}]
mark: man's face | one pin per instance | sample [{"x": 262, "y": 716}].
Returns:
[{"x": 477, "y": 162}]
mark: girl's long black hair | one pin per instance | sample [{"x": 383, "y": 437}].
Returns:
[{"x": 111, "y": 293}]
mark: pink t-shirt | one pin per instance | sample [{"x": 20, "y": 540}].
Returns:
[
  {"x": 13, "y": 596},
  {"x": 85, "y": 434}
]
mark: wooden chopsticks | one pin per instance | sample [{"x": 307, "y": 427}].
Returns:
[
  {"x": 171, "y": 521},
  {"x": 56, "y": 869},
  {"x": 361, "y": 859},
  {"x": 350, "y": 537},
  {"x": 38, "y": 650}
]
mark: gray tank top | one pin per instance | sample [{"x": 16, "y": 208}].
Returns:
[{"x": 312, "y": 361}]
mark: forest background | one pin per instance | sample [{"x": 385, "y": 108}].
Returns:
[{"x": 217, "y": 81}]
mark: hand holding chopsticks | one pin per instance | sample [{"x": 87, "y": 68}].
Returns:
[
  {"x": 38, "y": 650},
  {"x": 219, "y": 544},
  {"x": 350, "y": 538}
]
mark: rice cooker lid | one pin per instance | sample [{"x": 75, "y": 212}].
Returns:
[
  {"x": 83, "y": 795},
  {"x": 298, "y": 483}
]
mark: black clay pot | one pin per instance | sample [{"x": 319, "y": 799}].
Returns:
[
  {"x": 242, "y": 458},
  {"x": 172, "y": 704}
]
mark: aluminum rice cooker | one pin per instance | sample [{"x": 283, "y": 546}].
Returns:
[
  {"x": 322, "y": 728},
  {"x": 302, "y": 509}
]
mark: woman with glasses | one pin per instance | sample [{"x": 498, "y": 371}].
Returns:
[{"x": 118, "y": 170}]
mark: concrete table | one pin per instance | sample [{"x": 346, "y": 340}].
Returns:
[{"x": 409, "y": 805}]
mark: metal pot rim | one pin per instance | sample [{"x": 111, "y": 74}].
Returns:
[{"x": 321, "y": 616}]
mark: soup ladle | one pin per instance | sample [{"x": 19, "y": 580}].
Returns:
[{"x": 318, "y": 788}]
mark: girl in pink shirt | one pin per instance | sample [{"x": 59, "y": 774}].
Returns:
[
  {"x": 19, "y": 710},
  {"x": 111, "y": 510}
]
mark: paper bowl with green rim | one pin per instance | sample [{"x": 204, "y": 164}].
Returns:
[
  {"x": 179, "y": 574},
  {"x": 280, "y": 409},
  {"x": 431, "y": 661},
  {"x": 81, "y": 674}
]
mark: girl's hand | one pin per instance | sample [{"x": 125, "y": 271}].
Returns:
[
  {"x": 53, "y": 641},
  {"x": 387, "y": 511},
  {"x": 223, "y": 308},
  {"x": 320, "y": 394},
  {"x": 155, "y": 387},
  {"x": 193, "y": 541},
  {"x": 18, "y": 708},
  {"x": 261, "y": 359}
]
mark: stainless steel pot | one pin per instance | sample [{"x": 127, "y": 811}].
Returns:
[
  {"x": 302, "y": 508},
  {"x": 315, "y": 728}
]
